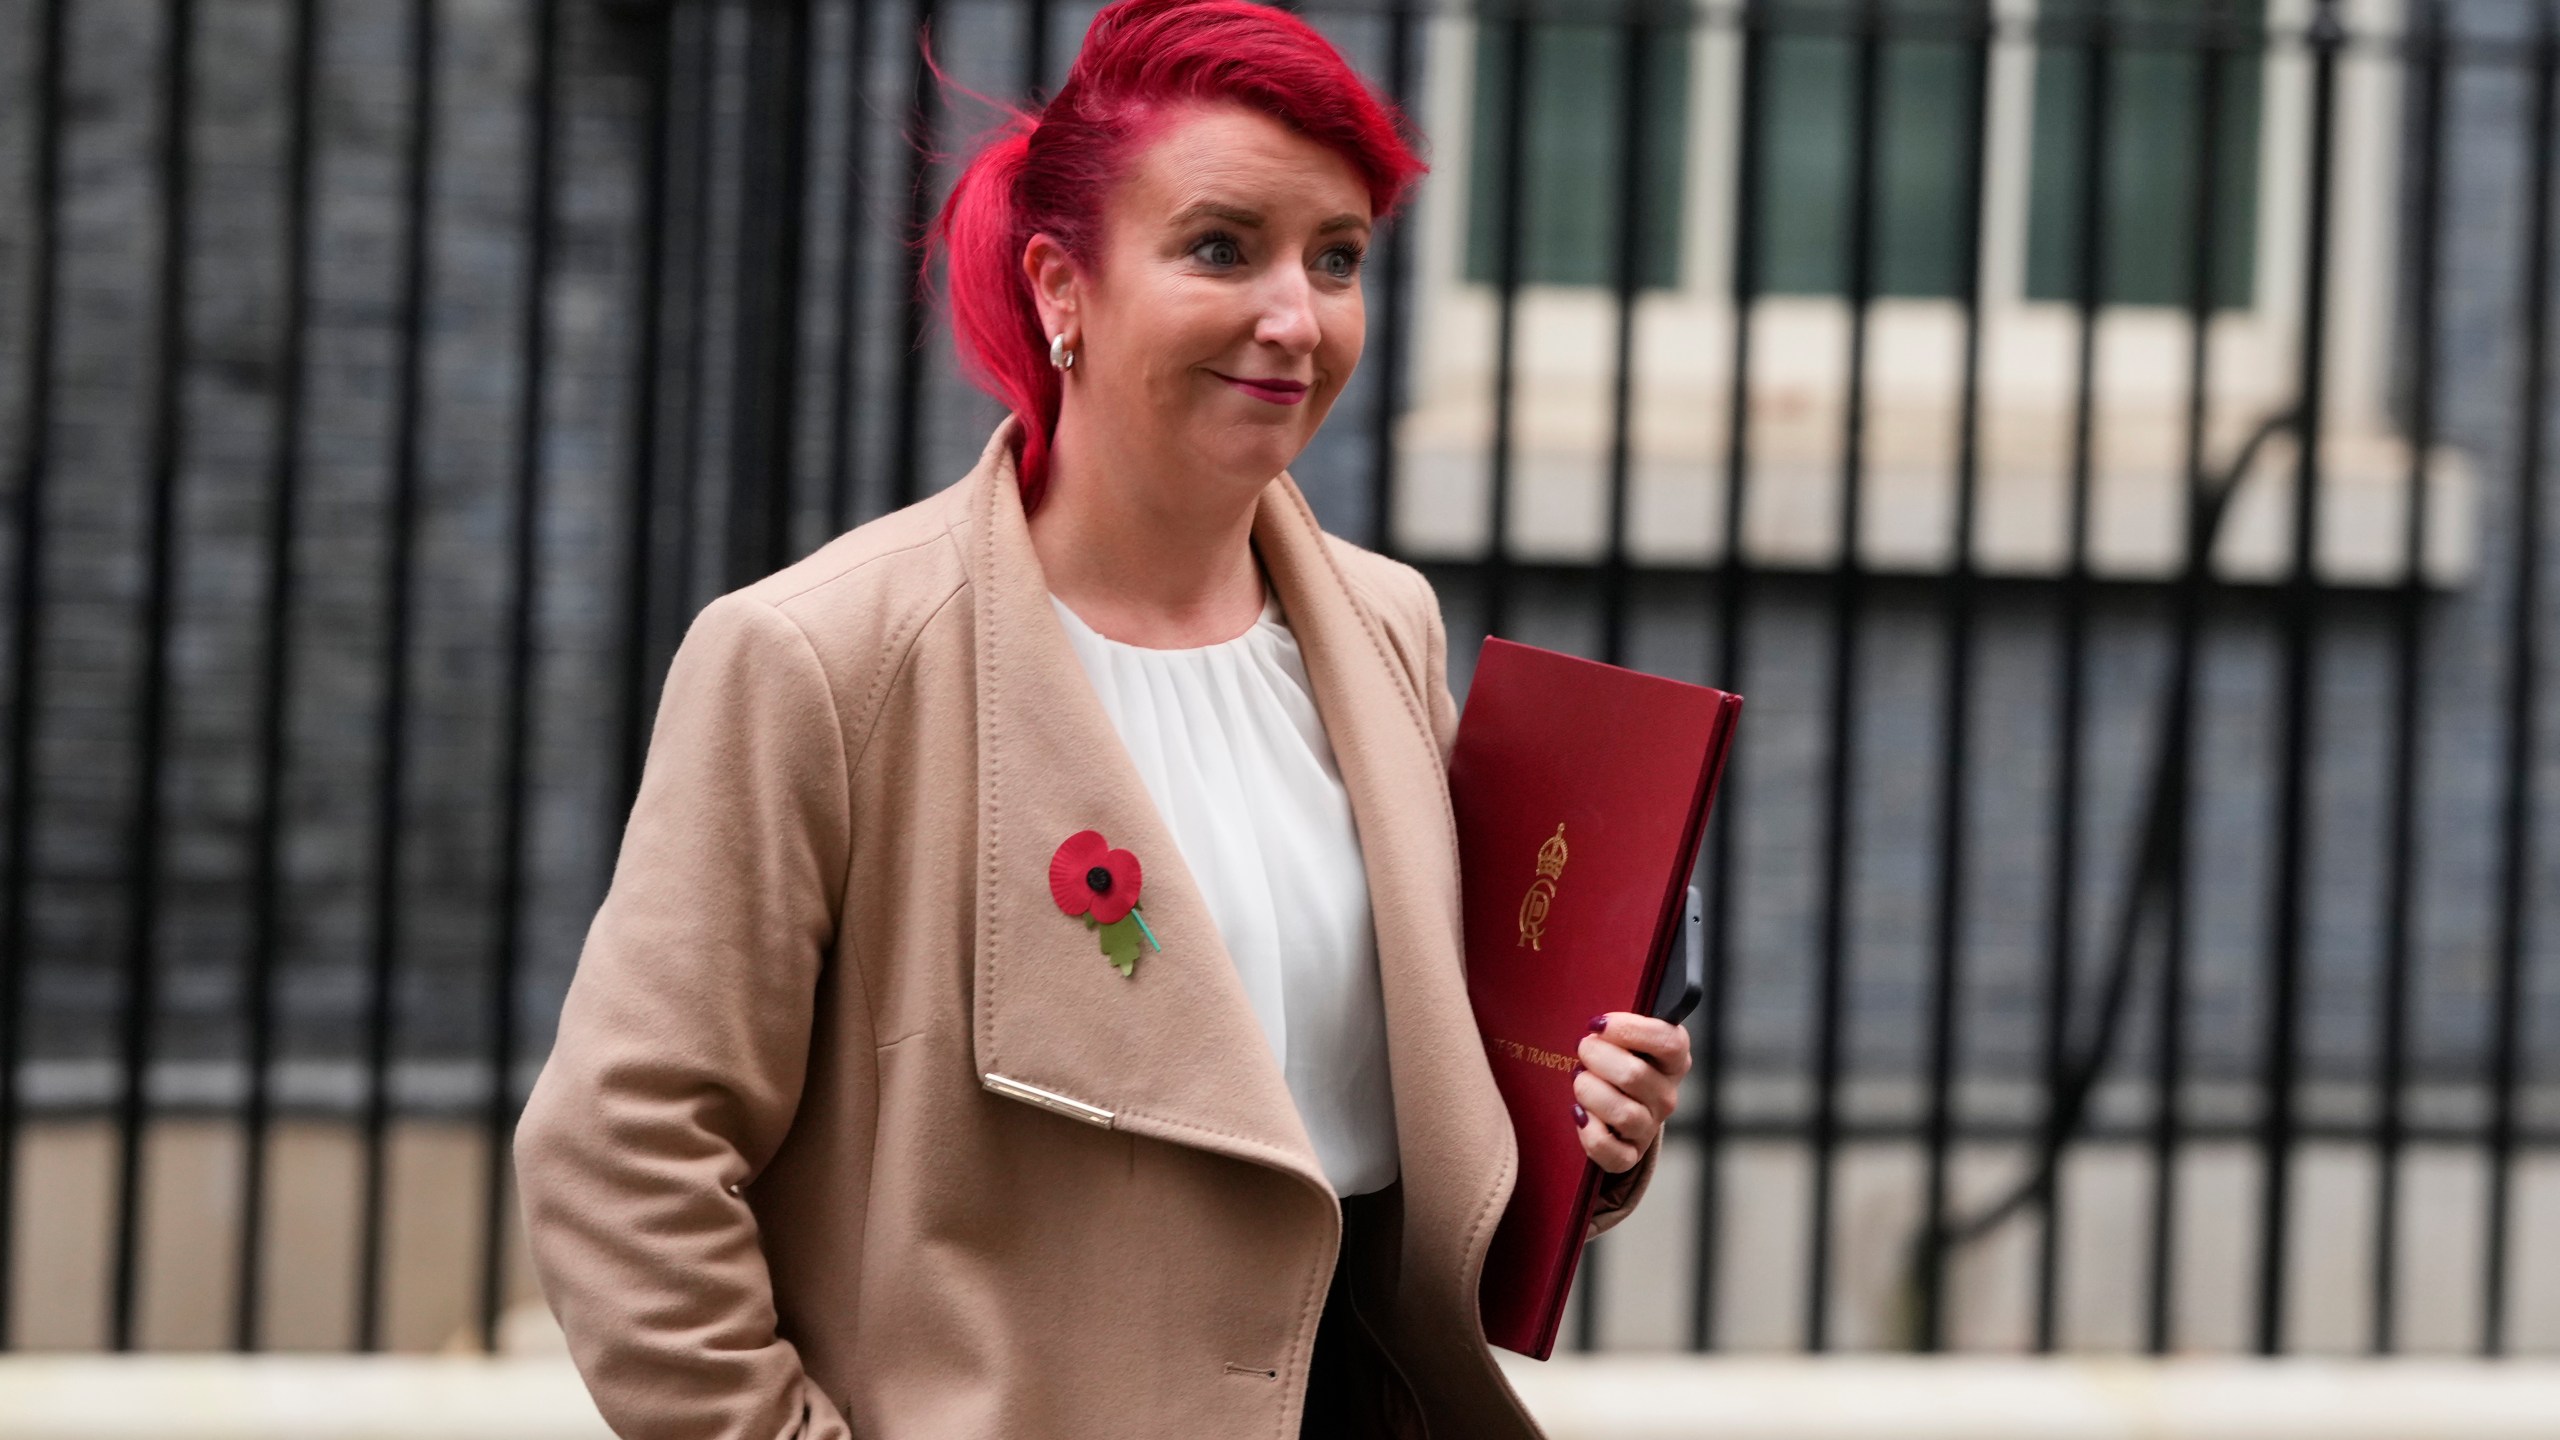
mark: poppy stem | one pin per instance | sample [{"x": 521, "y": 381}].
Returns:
[{"x": 1143, "y": 930}]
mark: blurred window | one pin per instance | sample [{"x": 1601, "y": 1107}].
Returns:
[
  {"x": 1575, "y": 127},
  {"x": 2155, "y": 90},
  {"x": 1576, "y": 78}
]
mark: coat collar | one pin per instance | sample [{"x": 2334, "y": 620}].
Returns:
[{"x": 1174, "y": 1051}]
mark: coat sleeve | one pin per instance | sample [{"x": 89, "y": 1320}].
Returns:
[
  {"x": 1618, "y": 1193},
  {"x": 682, "y": 1045}
]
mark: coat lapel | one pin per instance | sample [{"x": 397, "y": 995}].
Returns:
[
  {"x": 1175, "y": 1051},
  {"x": 1171, "y": 1051},
  {"x": 1452, "y": 1130}
]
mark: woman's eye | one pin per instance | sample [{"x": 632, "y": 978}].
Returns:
[
  {"x": 1219, "y": 250},
  {"x": 1342, "y": 262}
]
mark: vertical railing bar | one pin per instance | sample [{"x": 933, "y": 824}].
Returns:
[
  {"x": 795, "y": 220},
  {"x": 2166, "y": 1130},
  {"x": 151, "y": 700},
  {"x": 851, "y": 229},
  {"x": 645, "y": 419},
  {"x": 772, "y": 219},
  {"x": 2168, "y": 1116},
  {"x": 1511, "y": 209},
  {"x": 742, "y": 488},
  {"x": 2062, "y": 915},
  {"x": 702, "y": 241},
  {"x": 284, "y": 483},
  {"x": 1714, "y": 1020},
  {"x": 1955, "y": 755},
  {"x": 1035, "y": 49},
  {"x": 1635, "y": 28},
  {"x": 1511, "y": 194},
  {"x": 1403, "y": 57},
  {"x": 1848, "y": 604},
  {"x": 2427, "y": 58},
  {"x": 1638, "y": 34},
  {"x": 33, "y": 467},
  {"x": 2524, "y": 712},
  {"x": 906, "y": 457},
  {"x": 2299, "y": 692},
  {"x": 400, "y": 601},
  {"x": 515, "y": 778}
]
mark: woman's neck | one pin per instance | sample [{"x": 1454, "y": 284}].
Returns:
[{"x": 1144, "y": 555}]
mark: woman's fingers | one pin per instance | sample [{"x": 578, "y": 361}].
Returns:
[
  {"x": 1606, "y": 1103},
  {"x": 1630, "y": 1074},
  {"x": 1648, "y": 1066},
  {"x": 1607, "y": 1150},
  {"x": 1627, "y": 1085},
  {"x": 1663, "y": 1045}
]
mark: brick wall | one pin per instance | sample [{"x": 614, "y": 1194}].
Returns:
[{"x": 473, "y": 388}]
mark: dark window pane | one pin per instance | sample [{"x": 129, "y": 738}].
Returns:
[
  {"x": 2154, "y": 94},
  {"x": 1810, "y": 154},
  {"x": 1807, "y": 134},
  {"x": 1570, "y": 207}
]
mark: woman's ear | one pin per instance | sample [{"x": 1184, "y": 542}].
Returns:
[{"x": 1053, "y": 285}]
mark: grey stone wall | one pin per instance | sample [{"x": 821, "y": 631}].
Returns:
[{"x": 472, "y": 387}]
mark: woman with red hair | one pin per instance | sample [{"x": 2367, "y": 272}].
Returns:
[{"x": 1030, "y": 999}]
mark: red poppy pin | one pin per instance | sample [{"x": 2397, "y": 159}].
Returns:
[{"x": 1091, "y": 880}]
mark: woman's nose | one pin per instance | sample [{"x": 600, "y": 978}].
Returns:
[{"x": 1288, "y": 314}]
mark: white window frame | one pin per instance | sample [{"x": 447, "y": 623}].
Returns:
[{"x": 1565, "y": 343}]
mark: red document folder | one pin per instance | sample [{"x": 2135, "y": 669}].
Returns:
[{"x": 1581, "y": 792}]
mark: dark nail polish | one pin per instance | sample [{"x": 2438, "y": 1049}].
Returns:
[
  {"x": 1581, "y": 1117},
  {"x": 1577, "y": 1067},
  {"x": 1599, "y": 1023}
]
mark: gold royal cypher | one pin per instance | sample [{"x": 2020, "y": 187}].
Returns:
[{"x": 1542, "y": 890}]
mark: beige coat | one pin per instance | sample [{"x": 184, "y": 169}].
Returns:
[{"x": 849, "y": 1131}]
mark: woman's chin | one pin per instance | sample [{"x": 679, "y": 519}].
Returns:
[{"x": 1250, "y": 454}]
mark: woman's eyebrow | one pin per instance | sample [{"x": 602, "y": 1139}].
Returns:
[
  {"x": 1212, "y": 210},
  {"x": 1252, "y": 219}
]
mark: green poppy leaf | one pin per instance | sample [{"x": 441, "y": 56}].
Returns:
[{"x": 1120, "y": 941}]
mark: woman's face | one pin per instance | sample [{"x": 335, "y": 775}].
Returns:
[{"x": 1224, "y": 313}]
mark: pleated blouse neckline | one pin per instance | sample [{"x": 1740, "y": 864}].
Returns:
[
  {"x": 1229, "y": 743},
  {"x": 1270, "y": 620}
]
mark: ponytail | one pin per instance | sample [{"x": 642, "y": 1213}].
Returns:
[{"x": 979, "y": 237}]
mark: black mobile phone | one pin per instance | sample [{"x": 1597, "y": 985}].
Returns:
[{"x": 1684, "y": 982}]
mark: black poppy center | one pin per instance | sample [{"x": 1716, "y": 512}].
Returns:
[{"x": 1100, "y": 879}]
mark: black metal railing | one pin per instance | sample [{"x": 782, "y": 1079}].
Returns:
[{"x": 388, "y": 382}]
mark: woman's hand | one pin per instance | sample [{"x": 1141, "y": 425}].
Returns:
[{"x": 1627, "y": 1085}]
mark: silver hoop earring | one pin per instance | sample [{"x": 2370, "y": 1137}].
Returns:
[{"x": 1060, "y": 357}]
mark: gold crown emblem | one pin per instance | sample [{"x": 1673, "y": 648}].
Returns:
[
  {"x": 1551, "y": 855},
  {"x": 1542, "y": 890}
]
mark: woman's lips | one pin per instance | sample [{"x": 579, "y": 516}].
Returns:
[{"x": 1278, "y": 392}]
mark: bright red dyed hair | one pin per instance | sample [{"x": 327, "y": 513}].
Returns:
[{"x": 1047, "y": 173}]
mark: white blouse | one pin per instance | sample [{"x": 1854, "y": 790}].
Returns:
[{"x": 1230, "y": 746}]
